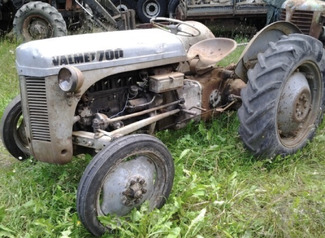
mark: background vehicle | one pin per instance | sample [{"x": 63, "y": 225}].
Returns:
[
  {"x": 311, "y": 11},
  {"x": 59, "y": 17},
  {"x": 252, "y": 11},
  {"x": 223, "y": 13},
  {"x": 145, "y": 9},
  {"x": 39, "y": 20}
]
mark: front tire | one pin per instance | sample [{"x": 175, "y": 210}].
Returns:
[
  {"x": 129, "y": 171},
  {"x": 12, "y": 130},
  {"x": 38, "y": 20},
  {"x": 282, "y": 103}
]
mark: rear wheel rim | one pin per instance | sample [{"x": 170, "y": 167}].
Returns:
[{"x": 294, "y": 119}]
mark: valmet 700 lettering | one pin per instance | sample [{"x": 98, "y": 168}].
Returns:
[{"x": 88, "y": 57}]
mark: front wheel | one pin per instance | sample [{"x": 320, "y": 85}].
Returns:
[
  {"x": 129, "y": 171},
  {"x": 282, "y": 103},
  {"x": 12, "y": 130}
]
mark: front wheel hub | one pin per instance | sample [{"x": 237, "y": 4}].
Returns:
[
  {"x": 134, "y": 191},
  {"x": 128, "y": 185}
]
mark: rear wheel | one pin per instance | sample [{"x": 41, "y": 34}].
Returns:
[
  {"x": 129, "y": 171},
  {"x": 12, "y": 129},
  {"x": 38, "y": 20},
  {"x": 147, "y": 9},
  {"x": 282, "y": 103}
]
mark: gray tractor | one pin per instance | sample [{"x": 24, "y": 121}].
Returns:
[{"x": 109, "y": 97}]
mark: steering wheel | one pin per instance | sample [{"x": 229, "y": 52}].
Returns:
[{"x": 173, "y": 26}]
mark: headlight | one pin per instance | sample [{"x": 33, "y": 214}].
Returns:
[{"x": 70, "y": 79}]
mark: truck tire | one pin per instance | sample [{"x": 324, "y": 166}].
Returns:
[
  {"x": 281, "y": 105},
  {"x": 38, "y": 20},
  {"x": 12, "y": 130},
  {"x": 86, "y": 22},
  {"x": 129, "y": 171},
  {"x": 124, "y": 5},
  {"x": 147, "y": 9},
  {"x": 172, "y": 5}
]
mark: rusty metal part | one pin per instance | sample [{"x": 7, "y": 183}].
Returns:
[
  {"x": 218, "y": 80},
  {"x": 259, "y": 43},
  {"x": 89, "y": 140},
  {"x": 236, "y": 86},
  {"x": 211, "y": 51},
  {"x": 100, "y": 139},
  {"x": 222, "y": 109},
  {"x": 138, "y": 125},
  {"x": 215, "y": 111},
  {"x": 121, "y": 118}
]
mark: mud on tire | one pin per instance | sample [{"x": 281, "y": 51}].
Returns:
[
  {"x": 281, "y": 105},
  {"x": 129, "y": 171},
  {"x": 38, "y": 20}
]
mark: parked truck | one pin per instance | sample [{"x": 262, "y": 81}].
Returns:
[{"x": 253, "y": 11}]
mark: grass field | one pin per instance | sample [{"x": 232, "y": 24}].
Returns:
[{"x": 220, "y": 189}]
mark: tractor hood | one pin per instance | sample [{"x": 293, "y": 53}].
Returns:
[{"x": 101, "y": 50}]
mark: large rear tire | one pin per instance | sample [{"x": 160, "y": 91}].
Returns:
[
  {"x": 129, "y": 171},
  {"x": 282, "y": 103},
  {"x": 38, "y": 20}
]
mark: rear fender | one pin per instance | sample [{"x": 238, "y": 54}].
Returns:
[{"x": 259, "y": 43}]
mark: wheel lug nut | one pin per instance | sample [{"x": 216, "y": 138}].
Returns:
[{"x": 138, "y": 194}]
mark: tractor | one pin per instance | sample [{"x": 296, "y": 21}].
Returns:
[
  {"x": 108, "y": 98},
  {"x": 32, "y": 20}
]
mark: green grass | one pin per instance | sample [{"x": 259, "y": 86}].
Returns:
[
  {"x": 8, "y": 76},
  {"x": 220, "y": 189}
]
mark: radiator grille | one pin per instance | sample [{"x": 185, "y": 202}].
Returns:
[
  {"x": 302, "y": 19},
  {"x": 37, "y": 106}
]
